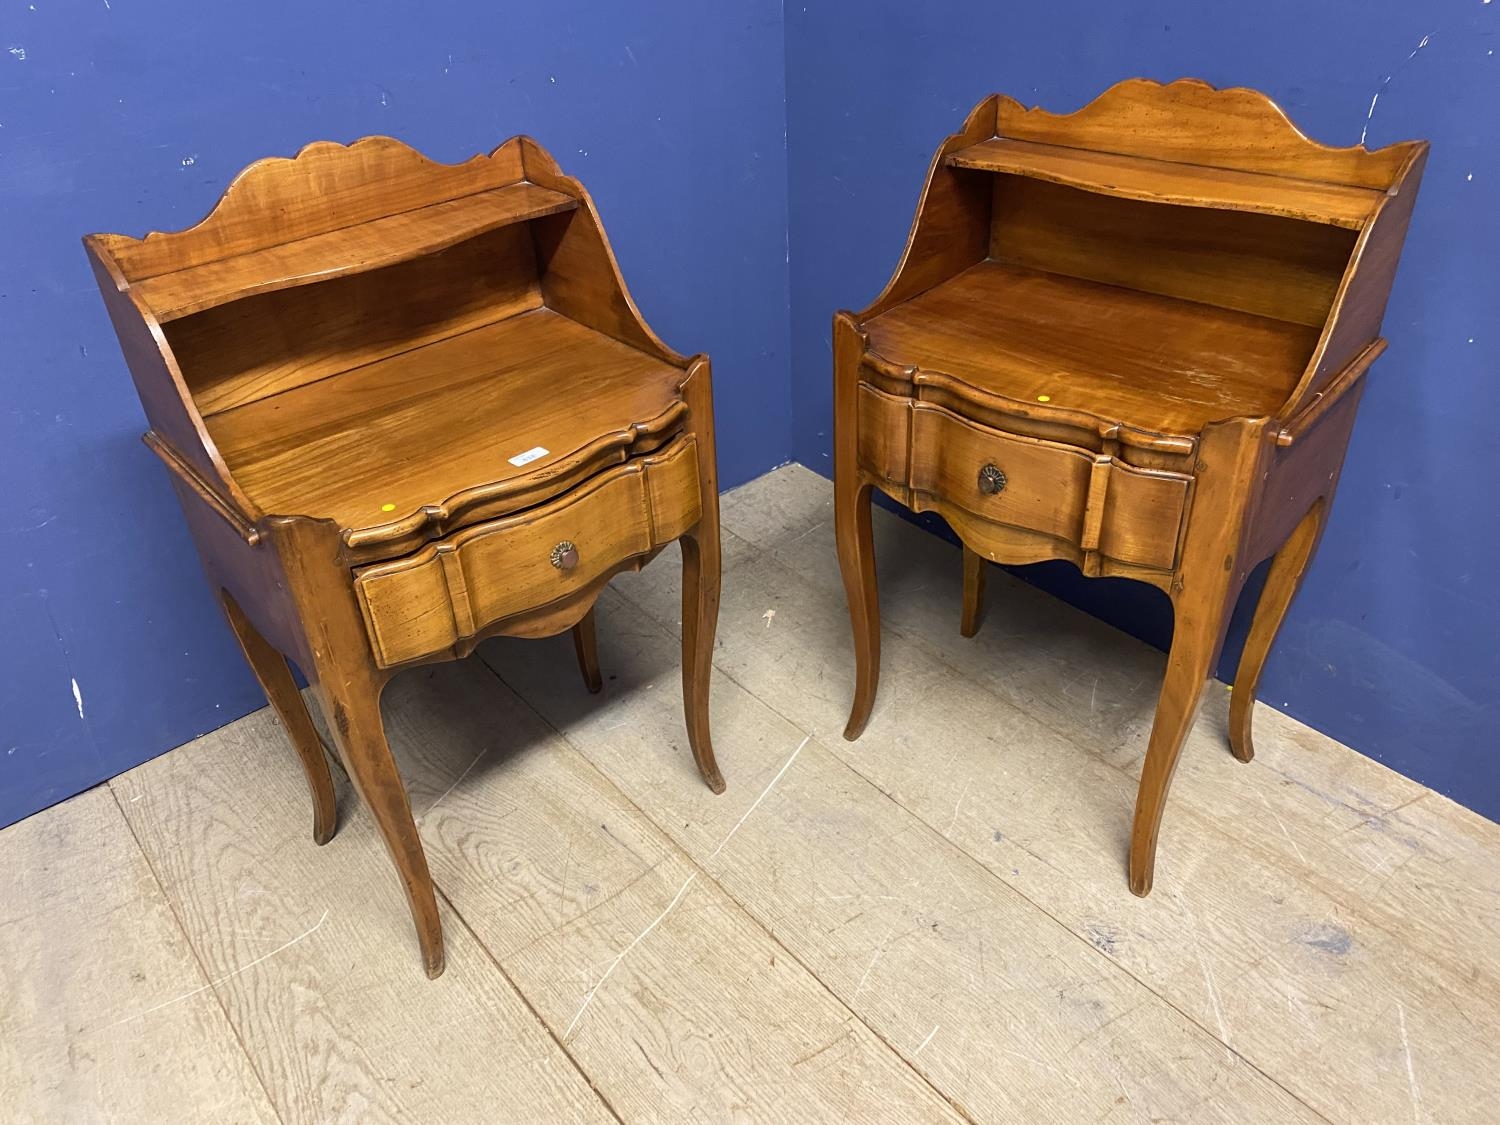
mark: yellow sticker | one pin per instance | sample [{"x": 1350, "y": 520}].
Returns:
[
  {"x": 387, "y": 507},
  {"x": 1044, "y": 398}
]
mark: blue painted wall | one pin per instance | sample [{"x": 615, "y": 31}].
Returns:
[
  {"x": 1392, "y": 646},
  {"x": 125, "y": 115}
]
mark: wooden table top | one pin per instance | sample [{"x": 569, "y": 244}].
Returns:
[
  {"x": 1158, "y": 363},
  {"x": 376, "y": 443}
]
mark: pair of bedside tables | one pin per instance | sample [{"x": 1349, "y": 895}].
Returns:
[{"x": 408, "y": 405}]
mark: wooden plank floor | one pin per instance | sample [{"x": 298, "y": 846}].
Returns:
[{"x": 930, "y": 924}]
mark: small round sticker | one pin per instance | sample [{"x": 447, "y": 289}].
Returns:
[
  {"x": 1044, "y": 398},
  {"x": 387, "y": 507}
]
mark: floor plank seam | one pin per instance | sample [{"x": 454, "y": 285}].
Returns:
[
  {"x": 1093, "y": 949},
  {"x": 989, "y": 873},
  {"x": 646, "y": 872},
  {"x": 526, "y": 1000},
  {"x": 198, "y": 958},
  {"x": 740, "y": 906}
]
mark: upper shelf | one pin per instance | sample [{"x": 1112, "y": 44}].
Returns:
[
  {"x": 1166, "y": 181},
  {"x": 354, "y": 249}
]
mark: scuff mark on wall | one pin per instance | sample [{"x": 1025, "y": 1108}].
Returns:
[
  {"x": 67, "y": 657},
  {"x": 1426, "y": 39}
]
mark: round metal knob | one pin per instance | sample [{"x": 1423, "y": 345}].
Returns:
[
  {"x": 991, "y": 480},
  {"x": 565, "y": 555}
]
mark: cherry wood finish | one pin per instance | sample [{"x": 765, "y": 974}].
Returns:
[
  {"x": 1166, "y": 181},
  {"x": 1133, "y": 337},
  {"x": 973, "y": 602},
  {"x": 406, "y": 406},
  {"x": 275, "y": 677},
  {"x": 586, "y": 647}
]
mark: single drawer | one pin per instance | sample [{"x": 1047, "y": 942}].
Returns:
[
  {"x": 461, "y": 585},
  {"x": 1090, "y": 500}
]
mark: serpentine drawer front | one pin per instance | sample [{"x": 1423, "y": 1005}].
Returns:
[
  {"x": 461, "y": 585},
  {"x": 1090, "y": 500},
  {"x": 1131, "y": 338}
]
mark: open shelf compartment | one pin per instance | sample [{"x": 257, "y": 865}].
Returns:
[
  {"x": 1128, "y": 357},
  {"x": 479, "y": 403},
  {"x": 366, "y": 246}
]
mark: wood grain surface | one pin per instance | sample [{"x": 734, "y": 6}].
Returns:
[
  {"x": 1122, "y": 355},
  {"x": 674, "y": 1001},
  {"x": 944, "y": 964},
  {"x": 1167, "y": 181},
  {"x": 1339, "y": 918},
  {"x": 351, "y": 250},
  {"x": 446, "y": 593},
  {"x": 311, "y": 953},
  {"x": 1192, "y": 122},
  {"x": 343, "y": 448},
  {"x": 106, "y": 1013}
]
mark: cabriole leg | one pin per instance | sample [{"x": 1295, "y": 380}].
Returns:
[
  {"x": 585, "y": 644},
  {"x": 856, "y": 549},
  {"x": 700, "y": 615},
  {"x": 973, "y": 610},
  {"x": 352, "y": 704},
  {"x": 1197, "y": 638},
  {"x": 270, "y": 668},
  {"x": 1282, "y": 582}
]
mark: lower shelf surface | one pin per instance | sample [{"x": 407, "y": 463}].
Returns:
[
  {"x": 377, "y": 443},
  {"x": 1139, "y": 359}
]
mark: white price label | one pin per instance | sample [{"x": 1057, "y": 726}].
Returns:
[{"x": 529, "y": 456}]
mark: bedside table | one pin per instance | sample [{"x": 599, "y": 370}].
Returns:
[
  {"x": 406, "y": 406},
  {"x": 1133, "y": 337}
]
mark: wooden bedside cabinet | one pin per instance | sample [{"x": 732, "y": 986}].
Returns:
[
  {"x": 1132, "y": 337},
  {"x": 406, "y": 406}
]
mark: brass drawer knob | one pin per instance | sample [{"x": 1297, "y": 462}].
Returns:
[
  {"x": 565, "y": 555},
  {"x": 991, "y": 480}
]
